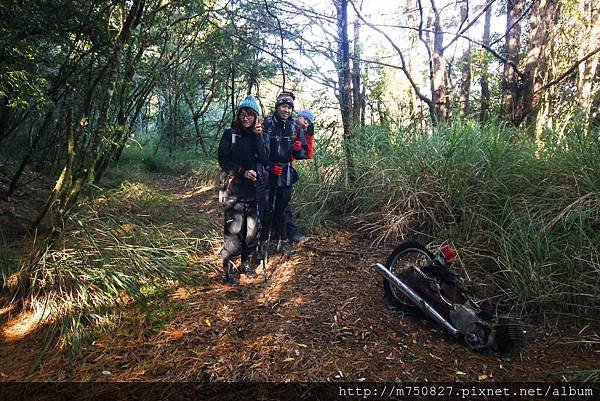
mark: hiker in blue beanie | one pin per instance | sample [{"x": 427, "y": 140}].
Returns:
[
  {"x": 243, "y": 157},
  {"x": 305, "y": 123}
]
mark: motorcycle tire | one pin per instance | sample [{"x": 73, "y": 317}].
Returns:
[{"x": 406, "y": 254}]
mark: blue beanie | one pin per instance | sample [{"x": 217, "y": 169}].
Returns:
[
  {"x": 306, "y": 113},
  {"x": 249, "y": 102}
]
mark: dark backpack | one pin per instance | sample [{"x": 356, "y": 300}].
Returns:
[{"x": 225, "y": 177}]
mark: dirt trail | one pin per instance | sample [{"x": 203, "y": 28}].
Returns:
[{"x": 320, "y": 317}]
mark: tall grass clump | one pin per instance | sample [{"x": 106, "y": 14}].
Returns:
[
  {"x": 319, "y": 195},
  {"x": 8, "y": 265},
  {"x": 528, "y": 212},
  {"x": 123, "y": 242}
]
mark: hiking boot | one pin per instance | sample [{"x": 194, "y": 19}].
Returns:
[
  {"x": 261, "y": 252},
  {"x": 248, "y": 268},
  {"x": 230, "y": 280},
  {"x": 285, "y": 247},
  {"x": 228, "y": 274},
  {"x": 297, "y": 238}
]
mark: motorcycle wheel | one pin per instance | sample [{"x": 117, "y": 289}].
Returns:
[{"x": 406, "y": 254}]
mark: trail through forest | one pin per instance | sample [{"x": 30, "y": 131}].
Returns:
[{"x": 321, "y": 317}]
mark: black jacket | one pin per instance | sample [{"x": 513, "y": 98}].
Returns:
[
  {"x": 281, "y": 136},
  {"x": 238, "y": 152}
]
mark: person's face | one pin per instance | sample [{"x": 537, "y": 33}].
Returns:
[
  {"x": 303, "y": 122},
  {"x": 247, "y": 118},
  {"x": 284, "y": 110}
]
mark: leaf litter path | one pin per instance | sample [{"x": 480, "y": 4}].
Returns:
[{"x": 320, "y": 317}]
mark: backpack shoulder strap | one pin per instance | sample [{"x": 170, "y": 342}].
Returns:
[
  {"x": 268, "y": 123},
  {"x": 233, "y": 139}
]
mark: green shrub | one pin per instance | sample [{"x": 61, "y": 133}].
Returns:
[{"x": 532, "y": 207}]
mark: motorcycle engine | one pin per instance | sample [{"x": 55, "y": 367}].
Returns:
[
  {"x": 476, "y": 332},
  {"x": 509, "y": 335}
]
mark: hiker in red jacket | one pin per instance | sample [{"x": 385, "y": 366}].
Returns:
[{"x": 305, "y": 124}]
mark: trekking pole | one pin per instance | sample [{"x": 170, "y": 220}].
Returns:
[
  {"x": 265, "y": 261},
  {"x": 260, "y": 219},
  {"x": 259, "y": 224}
]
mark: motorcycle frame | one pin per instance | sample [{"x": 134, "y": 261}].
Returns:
[{"x": 417, "y": 300}]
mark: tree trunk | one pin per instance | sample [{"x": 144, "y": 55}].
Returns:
[
  {"x": 54, "y": 94},
  {"x": 94, "y": 149},
  {"x": 363, "y": 105},
  {"x": 465, "y": 78},
  {"x": 587, "y": 69},
  {"x": 413, "y": 101},
  {"x": 123, "y": 128},
  {"x": 197, "y": 113},
  {"x": 232, "y": 93},
  {"x": 139, "y": 105},
  {"x": 4, "y": 117},
  {"x": 510, "y": 83},
  {"x": 356, "y": 92},
  {"x": 543, "y": 13},
  {"x": 382, "y": 114},
  {"x": 485, "y": 87},
  {"x": 439, "y": 94},
  {"x": 344, "y": 87},
  {"x": 29, "y": 155},
  {"x": 544, "y": 114},
  {"x": 63, "y": 183}
]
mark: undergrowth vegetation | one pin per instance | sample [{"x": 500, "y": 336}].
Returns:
[
  {"x": 138, "y": 160},
  {"x": 8, "y": 265},
  {"x": 127, "y": 243},
  {"x": 526, "y": 212}
]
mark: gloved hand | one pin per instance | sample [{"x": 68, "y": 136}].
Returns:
[
  {"x": 297, "y": 145},
  {"x": 277, "y": 170}
]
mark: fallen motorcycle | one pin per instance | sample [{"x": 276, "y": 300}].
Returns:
[{"x": 415, "y": 279}]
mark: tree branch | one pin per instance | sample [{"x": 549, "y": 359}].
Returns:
[
  {"x": 483, "y": 45},
  {"x": 425, "y": 43},
  {"x": 281, "y": 47},
  {"x": 568, "y": 72},
  {"x": 515, "y": 23},
  {"x": 470, "y": 24},
  {"x": 399, "y": 51},
  {"x": 276, "y": 57}
]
